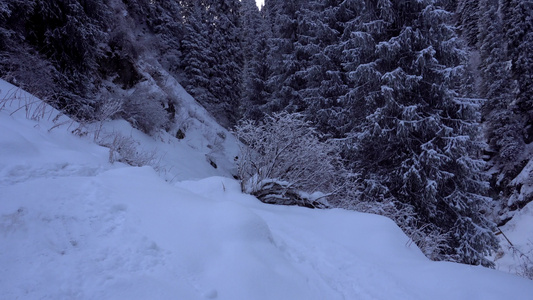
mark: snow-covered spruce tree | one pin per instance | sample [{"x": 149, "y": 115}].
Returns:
[
  {"x": 211, "y": 59},
  {"x": 518, "y": 26},
  {"x": 198, "y": 56},
  {"x": 468, "y": 19},
  {"x": 505, "y": 42},
  {"x": 282, "y": 16},
  {"x": 163, "y": 21},
  {"x": 64, "y": 37},
  {"x": 420, "y": 140},
  {"x": 256, "y": 68},
  {"x": 518, "y": 20},
  {"x": 304, "y": 61},
  {"x": 504, "y": 125},
  {"x": 225, "y": 75},
  {"x": 364, "y": 25},
  {"x": 252, "y": 26},
  {"x": 319, "y": 70},
  {"x": 284, "y": 161}
]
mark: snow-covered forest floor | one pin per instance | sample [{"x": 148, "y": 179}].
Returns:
[{"x": 75, "y": 226}]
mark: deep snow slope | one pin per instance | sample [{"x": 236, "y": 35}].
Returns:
[
  {"x": 74, "y": 226},
  {"x": 518, "y": 231}
]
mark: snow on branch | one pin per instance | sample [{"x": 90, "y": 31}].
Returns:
[{"x": 283, "y": 155}]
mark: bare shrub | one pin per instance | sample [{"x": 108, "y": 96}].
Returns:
[
  {"x": 373, "y": 197},
  {"x": 284, "y": 148},
  {"x": 144, "y": 110},
  {"x": 125, "y": 149},
  {"x": 526, "y": 269},
  {"x": 525, "y": 259},
  {"x": 34, "y": 108},
  {"x": 109, "y": 107},
  {"x": 430, "y": 239}
]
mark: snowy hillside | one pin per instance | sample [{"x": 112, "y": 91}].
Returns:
[
  {"x": 517, "y": 244},
  {"x": 75, "y": 226}
]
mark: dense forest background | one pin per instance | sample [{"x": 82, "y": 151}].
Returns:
[{"x": 418, "y": 110}]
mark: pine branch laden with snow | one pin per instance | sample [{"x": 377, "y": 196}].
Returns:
[{"x": 283, "y": 155}]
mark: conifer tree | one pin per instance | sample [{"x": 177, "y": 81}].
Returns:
[
  {"x": 320, "y": 72},
  {"x": 518, "y": 20},
  {"x": 468, "y": 19},
  {"x": 503, "y": 124},
  {"x": 164, "y": 20},
  {"x": 364, "y": 26},
  {"x": 212, "y": 60},
  {"x": 419, "y": 141},
  {"x": 304, "y": 59},
  {"x": 225, "y": 74},
  {"x": 198, "y": 56},
  {"x": 64, "y": 41},
  {"x": 256, "y": 68},
  {"x": 504, "y": 42},
  {"x": 282, "y": 16}
]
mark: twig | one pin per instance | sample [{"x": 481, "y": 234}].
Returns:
[{"x": 501, "y": 232}]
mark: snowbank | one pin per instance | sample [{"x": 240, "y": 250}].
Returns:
[{"x": 74, "y": 226}]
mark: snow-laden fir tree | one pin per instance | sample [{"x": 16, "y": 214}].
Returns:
[
  {"x": 225, "y": 75},
  {"x": 198, "y": 57},
  {"x": 467, "y": 13},
  {"x": 503, "y": 126},
  {"x": 419, "y": 142},
  {"x": 164, "y": 18},
  {"x": 518, "y": 26},
  {"x": 364, "y": 26},
  {"x": 255, "y": 34},
  {"x": 282, "y": 17},
  {"x": 505, "y": 43},
  {"x": 305, "y": 73},
  {"x": 319, "y": 71},
  {"x": 53, "y": 49},
  {"x": 211, "y": 52}
]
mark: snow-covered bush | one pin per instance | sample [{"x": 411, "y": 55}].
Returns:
[
  {"x": 125, "y": 149},
  {"x": 525, "y": 259},
  {"x": 526, "y": 269},
  {"x": 285, "y": 149},
  {"x": 144, "y": 110},
  {"x": 431, "y": 240}
]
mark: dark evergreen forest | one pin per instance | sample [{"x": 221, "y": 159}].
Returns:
[{"x": 418, "y": 110}]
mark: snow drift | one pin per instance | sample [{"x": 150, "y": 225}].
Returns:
[{"x": 74, "y": 226}]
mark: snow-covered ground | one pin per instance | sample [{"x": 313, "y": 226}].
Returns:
[
  {"x": 517, "y": 243},
  {"x": 75, "y": 226}
]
